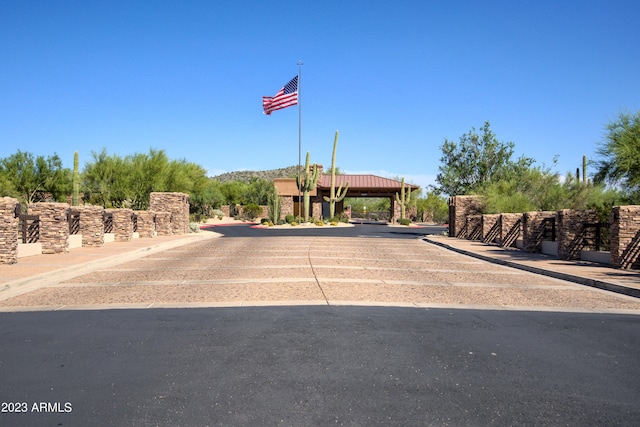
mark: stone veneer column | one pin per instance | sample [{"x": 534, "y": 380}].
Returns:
[
  {"x": 489, "y": 231},
  {"x": 459, "y": 208},
  {"x": 625, "y": 237},
  {"x": 286, "y": 206},
  {"x": 511, "y": 228},
  {"x": 54, "y": 226},
  {"x": 569, "y": 226},
  {"x": 146, "y": 224},
  {"x": 474, "y": 227},
  {"x": 8, "y": 230},
  {"x": 91, "y": 225},
  {"x": 532, "y": 230},
  {"x": 163, "y": 223},
  {"x": 122, "y": 224},
  {"x": 177, "y": 204}
]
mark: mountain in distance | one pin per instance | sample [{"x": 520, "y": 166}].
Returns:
[{"x": 245, "y": 176}]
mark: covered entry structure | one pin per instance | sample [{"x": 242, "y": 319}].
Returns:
[{"x": 359, "y": 186}]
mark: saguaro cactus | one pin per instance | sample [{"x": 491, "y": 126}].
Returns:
[
  {"x": 335, "y": 196},
  {"x": 307, "y": 184},
  {"x": 75, "y": 198},
  {"x": 274, "y": 206},
  {"x": 403, "y": 199}
]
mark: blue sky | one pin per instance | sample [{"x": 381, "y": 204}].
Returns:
[{"x": 395, "y": 78}]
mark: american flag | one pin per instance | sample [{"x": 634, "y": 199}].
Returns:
[{"x": 286, "y": 97}]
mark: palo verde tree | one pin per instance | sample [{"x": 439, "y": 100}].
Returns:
[
  {"x": 335, "y": 195},
  {"x": 619, "y": 162},
  {"x": 476, "y": 160},
  {"x": 35, "y": 179}
]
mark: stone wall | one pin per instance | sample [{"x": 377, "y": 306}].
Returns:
[
  {"x": 91, "y": 225},
  {"x": 163, "y": 223},
  {"x": 511, "y": 229},
  {"x": 474, "y": 227},
  {"x": 569, "y": 225},
  {"x": 122, "y": 224},
  {"x": 491, "y": 228},
  {"x": 286, "y": 206},
  {"x": 177, "y": 204},
  {"x": 54, "y": 226},
  {"x": 459, "y": 208},
  {"x": 146, "y": 224},
  {"x": 625, "y": 237},
  {"x": 533, "y": 230},
  {"x": 8, "y": 230}
]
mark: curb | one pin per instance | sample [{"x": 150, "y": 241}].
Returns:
[{"x": 594, "y": 283}]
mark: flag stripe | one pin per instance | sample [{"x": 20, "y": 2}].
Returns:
[{"x": 286, "y": 97}]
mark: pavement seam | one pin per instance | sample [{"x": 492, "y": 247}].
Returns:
[{"x": 314, "y": 271}]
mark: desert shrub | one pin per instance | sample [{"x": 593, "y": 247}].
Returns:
[
  {"x": 405, "y": 221},
  {"x": 194, "y": 227},
  {"x": 289, "y": 218},
  {"x": 319, "y": 223},
  {"x": 217, "y": 213},
  {"x": 334, "y": 223},
  {"x": 252, "y": 210}
]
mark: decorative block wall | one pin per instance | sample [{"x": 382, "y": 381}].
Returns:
[
  {"x": 459, "y": 208},
  {"x": 122, "y": 224},
  {"x": 511, "y": 229},
  {"x": 625, "y": 237},
  {"x": 163, "y": 223},
  {"x": 533, "y": 229},
  {"x": 54, "y": 226},
  {"x": 8, "y": 230},
  {"x": 491, "y": 228},
  {"x": 146, "y": 223},
  {"x": 474, "y": 227},
  {"x": 91, "y": 225},
  {"x": 569, "y": 224},
  {"x": 177, "y": 204}
]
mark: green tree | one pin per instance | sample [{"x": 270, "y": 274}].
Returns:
[
  {"x": 433, "y": 208},
  {"x": 620, "y": 155},
  {"x": 476, "y": 160},
  {"x": 258, "y": 191},
  {"x": 104, "y": 180},
  {"x": 35, "y": 179}
]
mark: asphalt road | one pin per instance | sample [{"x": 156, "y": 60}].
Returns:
[
  {"x": 358, "y": 230},
  {"x": 319, "y": 365}
]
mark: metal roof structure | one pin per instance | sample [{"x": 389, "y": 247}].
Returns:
[{"x": 359, "y": 186}]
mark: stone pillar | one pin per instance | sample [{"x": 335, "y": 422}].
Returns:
[
  {"x": 474, "y": 227},
  {"x": 8, "y": 230},
  {"x": 533, "y": 230},
  {"x": 316, "y": 208},
  {"x": 459, "y": 208},
  {"x": 91, "y": 225},
  {"x": 286, "y": 206},
  {"x": 146, "y": 223},
  {"x": 122, "y": 224},
  {"x": 163, "y": 223},
  {"x": 625, "y": 237},
  {"x": 569, "y": 225},
  {"x": 491, "y": 228},
  {"x": 511, "y": 229},
  {"x": 54, "y": 226},
  {"x": 177, "y": 204}
]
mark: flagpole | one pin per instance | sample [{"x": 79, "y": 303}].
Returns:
[{"x": 299, "y": 135}]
